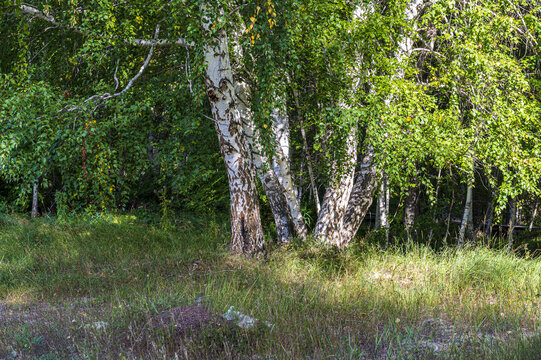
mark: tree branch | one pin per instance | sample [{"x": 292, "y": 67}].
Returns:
[
  {"x": 137, "y": 42},
  {"x": 142, "y": 42},
  {"x": 429, "y": 51},
  {"x": 49, "y": 18},
  {"x": 107, "y": 96}
]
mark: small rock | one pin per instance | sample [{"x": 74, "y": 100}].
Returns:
[
  {"x": 98, "y": 325},
  {"x": 242, "y": 320}
]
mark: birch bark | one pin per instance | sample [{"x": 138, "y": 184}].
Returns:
[
  {"x": 361, "y": 197},
  {"x": 511, "y": 225},
  {"x": 228, "y": 113},
  {"x": 35, "y": 200},
  {"x": 281, "y": 164},
  {"x": 534, "y": 215},
  {"x": 411, "y": 203},
  {"x": 466, "y": 217},
  {"x": 329, "y": 225},
  {"x": 383, "y": 207}
]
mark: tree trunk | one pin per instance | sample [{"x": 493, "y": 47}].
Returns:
[
  {"x": 307, "y": 152},
  {"x": 361, "y": 197},
  {"x": 489, "y": 219},
  {"x": 282, "y": 168},
  {"x": 511, "y": 224},
  {"x": 411, "y": 203},
  {"x": 277, "y": 183},
  {"x": 466, "y": 218},
  {"x": 383, "y": 208},
  {"x": 534, "y": 214},
  {"x": 35, "y": 200},
  {"x": 333, "y": 209},
  {"x": 448, "y": 221},
  {"x": 246, "y": 230},
  {"x": 278, "y": 204},
  {"x": 434, "y": 207}
]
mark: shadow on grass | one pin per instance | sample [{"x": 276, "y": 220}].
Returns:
[{"x": 322, "y": 304}]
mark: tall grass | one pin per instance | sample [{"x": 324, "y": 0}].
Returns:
[{"x": 403, "y": 302}]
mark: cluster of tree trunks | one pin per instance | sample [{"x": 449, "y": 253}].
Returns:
[{"x": 353, "y": 182}]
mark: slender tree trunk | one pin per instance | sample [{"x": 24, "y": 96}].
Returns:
[
  {"x": 282, "y": 168},
  {"x": 470, "y": 222},
  {"x": 511, "y": 227},
  {"x": 383, "y": 207},
  {"x": 246, "y": 230},
  {"x": 449, "y": 217},
  {"x": 333, "y": 210},
  {"x": 466, "y": 217},
  {"x": 411, "y": 204},
  {"x": 277, "y": 201},
  {"x": 271, "y": 185},
  {"x": 387, "y": 209},
  {"x": 489, "y": 216},
  {"x": 534, "y": 214},
  {"x": 361, "y": 198},
  {"x": 300, "y": 181},
  {"x": 306, "y": 151},
  {"x": 276, "y": 179},
  {"x": 434, "y": 207},
  {"x": 35, "y": 199},
  {"x": 379, "y": 203}
]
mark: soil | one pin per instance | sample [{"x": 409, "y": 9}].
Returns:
[{"x": 184, "y": 318}]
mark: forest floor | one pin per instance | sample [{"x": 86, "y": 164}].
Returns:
[{"x": 93, "y": 289}]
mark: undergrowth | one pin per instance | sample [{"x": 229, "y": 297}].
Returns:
[{"x": 58, "y": 279}]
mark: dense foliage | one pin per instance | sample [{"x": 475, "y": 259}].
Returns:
[{"x": 103, "y": 104}]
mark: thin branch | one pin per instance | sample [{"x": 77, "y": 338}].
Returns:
[
  {"x": 530, "y": 36},
  {"x": 49, "y": 18},
  {"x": 145, "y": 64},
  {"x": 114, "y": 75},
  {"x": 188, "y": 71},
  {"x": 207, "y": 117},
  {"x": 141, "y": 42},
  {"x": 107, "y": 96},
  {"x": 137, "y": 42},
  {"x": 428, "y": 50}
]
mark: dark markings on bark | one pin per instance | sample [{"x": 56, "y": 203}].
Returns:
[
  {"x": 246, "y": 230},
  {"x": 361, "y": 197}
]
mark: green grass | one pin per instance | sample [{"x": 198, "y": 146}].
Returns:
[{"x": 59, "y": 278}]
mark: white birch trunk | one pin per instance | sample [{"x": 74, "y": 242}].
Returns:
[
  {"x": 35, "y": 200},
  {"x": 329, "y": 225},
  {"x": 511, "y": 225},
  {"x": 281, "y": 165},
  {"x": 277, "y": 201},
  {"x": 411, "y": 204},
  {"x": 383, "y": 207},
  {"x": 466, "y": 217},
  {"x": 361, "y": 197},
  {"x": 275, "y": 175},
  {"x": 246, "y": 230},
  {"x": 534, "y": 215}
]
